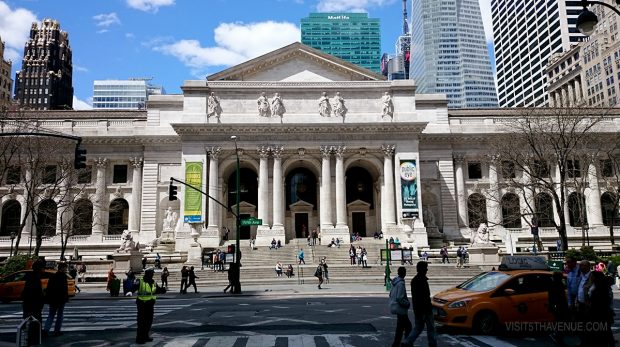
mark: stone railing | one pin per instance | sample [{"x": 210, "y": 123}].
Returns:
[
  {"x": 5, "y": 239},
  {"x": 111, "y": 237},
  {"x": 79, "y": 238}
]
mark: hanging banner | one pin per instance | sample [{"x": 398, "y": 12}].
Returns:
[
  {"x": 193, "y": 198},
  {"x": 409, "y": 185}
]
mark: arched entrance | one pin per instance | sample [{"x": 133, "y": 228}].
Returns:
[
  {"x": 11, "y": 216},
  {"x": 476, "y": 210},
  {"x": 46, "y": 218},
  {"x": 576, "y": 210},
  {"x": 359, "y": 188},
  {"x": 301, "y": 190},
  {"x": 544, "y": 210},
  {"x": 248, "y": 193},
  {"x": 83, "y": 217},
  {"x": 119, "y": 216},
  {"x": 511, "y": 216}
]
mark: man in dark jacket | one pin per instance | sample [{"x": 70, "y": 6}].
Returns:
[
  {"x": 192, "y": 279},
  {"x": 32, "y": 295},
  {"x": 422, "y": 308},
  {"x": 57, "y": 296}
]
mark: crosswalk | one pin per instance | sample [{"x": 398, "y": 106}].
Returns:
[
  {"x": 90, "y": 317},
  {"x": 324, "y": 340}
]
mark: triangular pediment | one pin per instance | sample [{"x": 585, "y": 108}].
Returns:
[
  {"x": 301, "y": 206},
  {"x": 358, "y": 203},
  {"x": 296, "y": 63}
]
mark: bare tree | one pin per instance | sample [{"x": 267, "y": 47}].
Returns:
[
  {"x": 610, "y": 174},
  {"x": 549, "y": 147}
]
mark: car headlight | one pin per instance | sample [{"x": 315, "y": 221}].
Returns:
[{"x": 458, "y": 304}]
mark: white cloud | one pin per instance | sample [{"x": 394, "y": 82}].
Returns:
[
  {"x": 233, "y": 44},
  {"x": 79, "y": 68},
  {"x": 130, "y": 35},
  {"x": 487, "y": 20},
  {"x": 149, "y": 5},
  {"x": 350, "y": 5},
  {"x": 80, "y": 104},
  {"x": 107, "y": 19},
  {"x": 15, "y": 29}
]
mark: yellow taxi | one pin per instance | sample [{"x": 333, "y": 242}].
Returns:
[
  {"x": 517, "y": 292},
  {"x": 11, "y": 286}
]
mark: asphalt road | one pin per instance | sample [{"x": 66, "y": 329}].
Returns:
[{"x": 268, "y": 318}]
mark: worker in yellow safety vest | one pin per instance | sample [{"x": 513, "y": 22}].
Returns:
[{"x": 146, "y": 289}]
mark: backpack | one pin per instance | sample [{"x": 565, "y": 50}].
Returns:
[{"x": 318, "y": 272}]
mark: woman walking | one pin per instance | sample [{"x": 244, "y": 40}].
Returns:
[
  {"x": 164, "y": 277},
  {"x": 319, "y": 274},
  {"x": 184, "y": 279}
]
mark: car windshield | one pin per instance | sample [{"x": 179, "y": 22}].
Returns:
[{"x": 484, "y": 282}]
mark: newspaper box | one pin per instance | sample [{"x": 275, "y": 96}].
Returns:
[{"x": 29, "y": 332}]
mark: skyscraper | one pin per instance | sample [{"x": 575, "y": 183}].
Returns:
[
  {"x": 5, "y": 79},
  {"x": 45, "y": 80},
  {"x": 527, "y": 33},
  {"x": 350, "y": 36},
  {"x": 396, "y": 67},
  {"x": 129, "y": 94},
  {"x": 449, "y": 54}
]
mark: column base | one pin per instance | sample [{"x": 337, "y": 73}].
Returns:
[
  {"x": 264, "y": 235},
  {"x": 483, "y": 255},
  {"x": 341, "y": 232},
  {"x": 194, "y": 253}
]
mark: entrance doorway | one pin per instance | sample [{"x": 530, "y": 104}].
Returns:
[
  {"x": 301, "y": 224},
  {"x": 359, "y": 223},
  {"x": 245, "y": 232}
]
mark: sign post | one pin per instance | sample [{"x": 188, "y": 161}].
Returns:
[
  {"x": 388, "y": 282},
  {"x": 251, "y": 221}
]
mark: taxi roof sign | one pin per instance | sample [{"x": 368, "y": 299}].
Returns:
[{"x": 523, "y": 263}]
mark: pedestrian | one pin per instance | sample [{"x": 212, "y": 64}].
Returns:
[
  {"x": 444, "y": 255},
  {"x": 158, "y": 261},
  {"x": 192, "y": 279},
  {"x": 110, "y": 279},
  {"x": 32, "y": 295},
  {"x": 145, "y": 302},
  {"x": 57, "y": 295},
  {"x": 399, "y": 305},
  {"x": 358, "y": 255},
  {"x": 300, "y": 256},
  {"x": 143, "y": 263},
  {"x": 558, "y": 303},
  {"x": 600, "y": 311},
  {"x": 583, "y": 290},
  {"x": 314, "y": 237},
  {"x": 82, "y": 273},
  {"x": 572, "y": 281},
  {"x": 422, "y": 308},
  {"x": 128, "y": 283},
  {"x": 325, "y": 271},
  {"x": 364, "y": 258},
  {"x": 184, "y": 279},
  {"x": 318, "y": 227},
  {"x": 74, "y": 275},
  {"x": 459, "y": 257},
  {"x": 278, "y": 269},
  {"x": 352, "y": 254},
  {"x": 164, "y": 277},
  {"x": 318, "y": 273},
  {"x": 231, "y": 278}
]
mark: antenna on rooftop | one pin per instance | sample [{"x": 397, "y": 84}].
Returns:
[{"x": 405, "y": 23}]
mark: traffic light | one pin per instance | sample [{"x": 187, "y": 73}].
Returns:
[
  {"x": 172, "y": 192},
  {"x": 80, "y": 158}
]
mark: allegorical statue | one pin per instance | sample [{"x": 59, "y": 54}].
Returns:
[
  {"x": 127, "y": 244},
  {"x": 325, "y": 108},
  {"x": 277, "y": 106},
  {"x": 263, "y": 106},
  {"x": 170, "y": 219},
  {"x": 340, "y": 110},
  {"x": 388, "y": 105},
  {"x": 482, "y": 236},
  {"x": 213, "y": 106}
]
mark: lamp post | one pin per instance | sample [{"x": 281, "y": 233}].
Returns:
[
  {"x": 587, "y": 20},
  {"x": 586, "y": 227},
  {"x": 238, "y": 219},
  {"x": 12, "y": 237}
]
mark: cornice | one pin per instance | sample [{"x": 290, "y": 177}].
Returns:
[
  {"x": 134, "y": 140},
  {"x": 261, "y": 85}
]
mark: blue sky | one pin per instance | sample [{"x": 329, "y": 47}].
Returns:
[{"x": 176, "y": 40}]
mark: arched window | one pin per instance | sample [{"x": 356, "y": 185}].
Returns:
[
  {"x": 83, "y": 217},
  {"x": 576, "y": 210},
  {"x": 476, "y": 210},
  {"x": 11, "y": 217},
  {"x": 609, "y": 206},
  {"x": 511, "y": 216},
  {"x": 359, "y": 185},
  {"x": 46, "y": 218},
  {"x": 301, "y": 186},
  {"x": 248, "y": 189},
  {"x": 119, "y": 216},
  {"x": 544, "y": 210}
]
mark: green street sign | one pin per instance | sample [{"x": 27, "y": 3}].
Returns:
[{"x": 251, "y": 221}]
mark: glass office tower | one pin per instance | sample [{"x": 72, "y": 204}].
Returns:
[
  {"x": 123, "y": 94},
  {"x": 350, "y": 36},
  {"x": 449, "y": 54}
]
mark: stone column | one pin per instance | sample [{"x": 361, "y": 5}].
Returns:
[
  {"x": 263, "y": 184},
  {"x": 528, "y": 201},
  {"x": 571, "y": 94},
  {"x": 136, "y": 194},
  {"x": 551, "y": 99},
  {"x": 62, "y": 214},
  {"x": 326, "y": 194},
  {"x": 388, "y": 185},
  {"x": 461, "y": 195},
  {"x": 578, "y": 94},
  {"x": 214, "y": 153},
  {"x": 494, "y": 206},
  {"x": 341, "y": 201},
  {"x": 99, "y": 208},
  {"x": 564, "y": 98},
  {"x": 278, "y": 198},
  {"x": 28, "y": 229},
  {"x": 593, "y": 195}
]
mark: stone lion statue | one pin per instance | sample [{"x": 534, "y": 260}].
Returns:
[
  {"x": 482, "y": 236},
  {"x": 127, "y": 244}
]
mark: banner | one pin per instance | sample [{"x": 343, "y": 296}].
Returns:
[
  {"x": 193, "y": 198},
  {"x": 409, "y": 185}
]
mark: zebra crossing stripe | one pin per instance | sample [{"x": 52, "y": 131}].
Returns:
[
  {"x": 184, "y": 342},
  {"x": 261, "y": 341},
  {"x": 301, "y": 340},
  {"x": 334, "y": 341},
  {"x": 219, "y": 341}
]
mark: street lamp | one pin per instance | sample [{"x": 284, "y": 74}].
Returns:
[
  {"x": 12, "y": 237},
  {"x": 587, "y": 20},
  {"x": 586, "y": 227},
  {"x": 238, "y": 221}
]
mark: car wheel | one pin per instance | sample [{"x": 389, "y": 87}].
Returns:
[{"x": 485, "y": 323}]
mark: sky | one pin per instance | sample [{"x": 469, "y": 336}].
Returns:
[{"x": 176, "y": 40}]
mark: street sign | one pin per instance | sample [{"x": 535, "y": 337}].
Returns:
[{"x": 251, "y": 221}]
